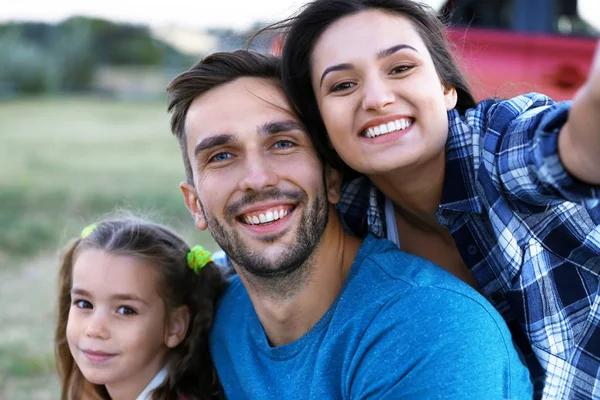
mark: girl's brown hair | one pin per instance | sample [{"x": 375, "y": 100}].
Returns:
[{"x": 191, "y": 373}]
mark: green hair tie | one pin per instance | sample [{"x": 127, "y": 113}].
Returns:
[
  {"x": 87, "y": 230},
  {"x": 197, "y": 258}
]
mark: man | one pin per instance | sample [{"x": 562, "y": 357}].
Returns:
[{"x": 314, "y": 312}]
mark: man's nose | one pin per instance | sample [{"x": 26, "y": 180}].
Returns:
[
  {"x": 377, "y": 94},
  {"x": 258, "y": 174}
]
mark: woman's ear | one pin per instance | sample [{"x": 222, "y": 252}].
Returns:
[
  {"x": 179, "y": 320},
  {"x": 450, "y": 97}
]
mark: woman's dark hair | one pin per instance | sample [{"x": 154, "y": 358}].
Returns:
[
  {"x": 303, "y": 30},
  {"x": 190, "y": 369}
]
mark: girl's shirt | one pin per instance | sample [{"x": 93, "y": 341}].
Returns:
[
  {"x": 158, "y": 379},
  {"x": 528, "y": 231}
]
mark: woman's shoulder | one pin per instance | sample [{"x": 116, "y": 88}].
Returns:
[{"x": 498, "y": 111}]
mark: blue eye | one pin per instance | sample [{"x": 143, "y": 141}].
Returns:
[
  {"x": 82, "y": 304},
  {"x": 283, "y": 144},
  {"x": 221, "y": 157},
  {"x": 124, "y": 310}
]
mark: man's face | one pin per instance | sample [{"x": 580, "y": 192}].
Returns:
[{"x": 259, "y": 187}]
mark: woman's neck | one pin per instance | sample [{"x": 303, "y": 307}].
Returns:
[{"x": 416, "y": 189}]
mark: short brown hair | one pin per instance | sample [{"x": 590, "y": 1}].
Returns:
[{"x": 208, "y": 73}]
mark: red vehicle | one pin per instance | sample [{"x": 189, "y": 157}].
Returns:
[{"x": 509, "y": 47}]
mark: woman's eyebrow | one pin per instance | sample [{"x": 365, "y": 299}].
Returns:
[
  {"x": 388, "y": 52},
  {"x": 337, "y": 67}
]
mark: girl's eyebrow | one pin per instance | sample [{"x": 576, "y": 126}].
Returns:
[
  {"x": 80, "y": 292},
  {"x": 128, "y": 297},
  {"x": 118, "y": 296},
  {"x": 381, "y": 54}
]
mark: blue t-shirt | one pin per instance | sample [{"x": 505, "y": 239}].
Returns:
[{"x": 401, "y": 327}]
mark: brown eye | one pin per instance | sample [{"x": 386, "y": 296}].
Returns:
[
  {"x": 342, "y": 86},
  {"x": 400, "y": 69}
]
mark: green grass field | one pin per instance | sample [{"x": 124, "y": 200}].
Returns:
[{"x": 64, "y": 162}]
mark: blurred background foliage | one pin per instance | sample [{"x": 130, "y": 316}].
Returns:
[
  {"x": 52, "y": 58},
  {"x": 84, "y": 131}
]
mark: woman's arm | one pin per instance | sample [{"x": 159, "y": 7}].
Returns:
[{"x": 579, "y": 138}]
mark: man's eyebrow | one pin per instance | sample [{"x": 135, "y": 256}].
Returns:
[
  {"x": 380, "y": 54},
  {"x": 280, "y": 126},
  {"x": 213, "y": 141}
]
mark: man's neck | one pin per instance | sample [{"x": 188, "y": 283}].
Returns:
[{"x": 287, "y": 318}]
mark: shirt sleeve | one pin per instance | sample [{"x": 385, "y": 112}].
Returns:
[
  {"x": 437, "y": 344},
  {"x": 520, "y": 152}
]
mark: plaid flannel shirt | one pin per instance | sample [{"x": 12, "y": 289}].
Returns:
[{"x": 528, "y": 231}]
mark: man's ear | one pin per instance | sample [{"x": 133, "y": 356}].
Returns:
[
  {"x": 333, "y": 183},
  {"x": 179, "y": 320},
  {"x": 450, "y": 97},
  {"x": 192, "y": 202}
]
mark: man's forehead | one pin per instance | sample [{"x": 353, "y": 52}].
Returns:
[
  {"x": 240, "y": 94},
  {"x": 245, "y": 101}
]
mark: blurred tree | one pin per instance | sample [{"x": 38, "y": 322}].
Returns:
[{"x": 38, "y": 57}]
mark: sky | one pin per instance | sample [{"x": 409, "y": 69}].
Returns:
[
  {"x": 199, "y": 14},
  {"x": 190, "y": 14}
]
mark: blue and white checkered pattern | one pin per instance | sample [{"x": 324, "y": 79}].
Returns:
[{"x": 529, "y": 232}]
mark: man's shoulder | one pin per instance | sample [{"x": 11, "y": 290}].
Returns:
[
  {"x": 233, "y": 300},
  {"x": 398, "y": 280},
  {"x": 382, "y": 257}
]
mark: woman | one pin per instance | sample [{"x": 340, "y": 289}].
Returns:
[{"x": 503, "y": 194}]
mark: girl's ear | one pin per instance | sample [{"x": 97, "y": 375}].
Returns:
[{"x": 179, "y": 321}]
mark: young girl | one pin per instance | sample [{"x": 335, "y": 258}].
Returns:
[
  {"x": 503, "y": 194},
  {"x": 135, "y": 308}
]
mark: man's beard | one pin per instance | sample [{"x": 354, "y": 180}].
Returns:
[{"x": 283, "y": 271}]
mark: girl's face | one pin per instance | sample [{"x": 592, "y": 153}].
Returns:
[
  {"x": 379, "y": 94},
  {"x": 116, "y": 329}
]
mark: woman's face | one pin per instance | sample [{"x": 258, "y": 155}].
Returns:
[{"x": 379, "y": 94}]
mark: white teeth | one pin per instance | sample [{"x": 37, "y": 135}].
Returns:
[
  {"x": 392, "y": 126},
  {"x": 269, "y": 216}
]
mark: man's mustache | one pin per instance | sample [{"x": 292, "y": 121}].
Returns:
[{"x": 294, "y": 196}]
